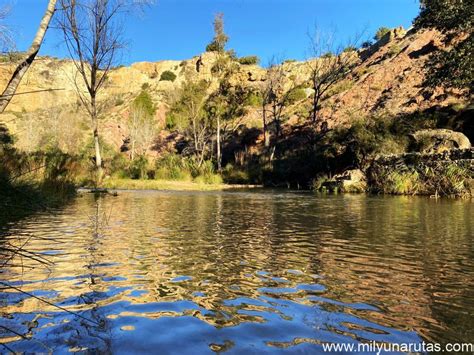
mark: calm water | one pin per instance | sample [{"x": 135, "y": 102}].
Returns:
[{"x": 172, "y": 272}]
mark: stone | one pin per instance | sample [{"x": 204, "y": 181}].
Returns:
[
  {"x": 352, "y": 181},
  {"x": 431, "y": 141}
]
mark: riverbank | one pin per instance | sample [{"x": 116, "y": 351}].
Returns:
[{"x": 134, "y": 184}]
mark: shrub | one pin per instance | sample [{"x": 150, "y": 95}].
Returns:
[
  {"x": 382, "y": 31},
  {"x": 170, "y": 121},
  {"x": 172, "y": 167},
  {"x": 254, "y": 99},
  {"x": 402, "y": 183},
  {"x": 231, "y": 54},
  {"x": 394, "y": 50},
  {"x": 145, "y": 86},
  {"x": 327, "y": 55},
  {"x": 233, "y": 175},
  {"x": 209, "y": 179},
  {"x": 214, "y": 47},
  {"x": 366, "y": 44},
  {"x": 340, "y": 87},
  {"x": 119, "y": 101},
  {"x": 295, "y": 95},
  {"x": 168, "y": 75},
  {"x": 176, "y": 167},
  {"x": 205, "y": 173},
  {"x": 288, "y": 61},
  {"x": 447, "y": 179},
  {"x": 249, "y": 60},
  {"x": 139, "y": 168},
  {"x": 119, "y": 166},
  {"x": 219, "y": 65},
  {"x": 350, "y": 49}
]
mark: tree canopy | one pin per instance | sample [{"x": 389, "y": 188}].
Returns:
[
  {"x": 220, "y": 38},
  {"x": 454, "y": 67}
]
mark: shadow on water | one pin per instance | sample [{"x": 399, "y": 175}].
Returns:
[{"x": 241, "y": 271}]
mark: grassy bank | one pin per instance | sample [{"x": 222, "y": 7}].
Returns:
[{"x": 133, "y": 184}]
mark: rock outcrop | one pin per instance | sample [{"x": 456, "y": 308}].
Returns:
[
  {"x": 352, "y": 181},
  {"x": 439, "y": 140},
  {"x": 388, "y": 80}
]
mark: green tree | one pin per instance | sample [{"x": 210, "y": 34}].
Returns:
[
  {"x": 454, "y": 18},
  {"x": 226, "y": 107},
  {"x": 188, "y": 116},
  {"x": 382, "y": 31},
  {"x": 220, "y": 38}
]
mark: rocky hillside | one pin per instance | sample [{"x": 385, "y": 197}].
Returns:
[{"x": 388, "y": 79}]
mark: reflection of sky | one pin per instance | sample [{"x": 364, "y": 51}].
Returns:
[{"x": 245, "y": 272}]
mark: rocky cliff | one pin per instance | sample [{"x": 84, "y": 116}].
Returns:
[{"x": 388, "y": 80}]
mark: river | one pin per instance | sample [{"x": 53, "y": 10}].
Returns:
[{"x": 242, "y": 272}]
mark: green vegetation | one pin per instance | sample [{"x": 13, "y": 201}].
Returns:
[
  {"x": 295, "y": 95},
  {"x": 350, "y": 49},
  {"x": 455, "y": 66},
  {"x": 381, "y": 32},
  {"x": 168, "y": 75},
  {"x": 33, "y": 182},
  {"x": 249, "y": 60},
  {"x": 439, "y": 179},
  {"x": 328, "y": 55},
  {"x": 220, "y": 39},
  {"x": 230, "y": 129},
  {"x": 340, "y": 87},
  {"x": 254, "y": 99},
  {"x": 394, "y": 50}
]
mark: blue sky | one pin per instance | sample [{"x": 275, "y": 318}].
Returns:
[{"x": 180, "y": 29}]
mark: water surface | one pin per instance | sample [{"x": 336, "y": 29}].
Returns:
[{"x": 254, "y": 272}]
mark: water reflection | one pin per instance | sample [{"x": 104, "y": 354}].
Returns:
[{"x": 203, "y": 272}]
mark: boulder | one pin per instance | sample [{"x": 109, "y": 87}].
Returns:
[
  {"x": 438, "y": 141},
  {"x": 352, "y": 181}
]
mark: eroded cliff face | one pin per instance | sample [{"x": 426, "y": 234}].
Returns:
[{"x": 388, "y": 79}]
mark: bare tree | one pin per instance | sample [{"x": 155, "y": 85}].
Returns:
[
  {"x": 275, "y": 91},
  {"x": 6, "y": 40},
  {"x": 329, "y": 64},
  {"x": 93, "y": 39},
  {"x": 142, "y": 125},
  {"x": 221, "y": 67},
  {"x": 30, "y": 55},
  {"x": 220, "y": 38}
]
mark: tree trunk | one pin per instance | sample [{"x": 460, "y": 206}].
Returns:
[
  {"x": 219, "y": 154},
  {"x": 315, "y": 106},
  {"x": 23, "y": 67},
  {"x": 132, "y": 153},
  {"x": 266, "y": 134},
  {"x": 95, "y": 129}
]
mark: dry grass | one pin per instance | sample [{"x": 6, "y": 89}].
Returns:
[{"x": 130, "y": 184}]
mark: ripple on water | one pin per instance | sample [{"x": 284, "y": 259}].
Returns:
[{"x": 240, "y": 272}]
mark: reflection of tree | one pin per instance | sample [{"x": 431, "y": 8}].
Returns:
[
  {"x": 99, "y": 221},
  {"x": 410, "y": 257},
  {"x": 402, "y": 255}
]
